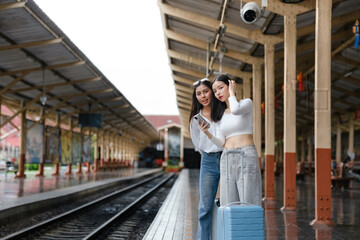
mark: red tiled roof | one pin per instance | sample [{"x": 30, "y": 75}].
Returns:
[{"x": 162, "y": 120}]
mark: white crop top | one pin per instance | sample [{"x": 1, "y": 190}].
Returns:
[{"x": 238, "y": 122}]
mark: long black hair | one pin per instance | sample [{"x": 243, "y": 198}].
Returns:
[
  {"x": 196, "y": 106},
  {"x": 218, "y": 107}
]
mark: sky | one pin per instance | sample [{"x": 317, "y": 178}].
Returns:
[{"x": 125, "y": 41}]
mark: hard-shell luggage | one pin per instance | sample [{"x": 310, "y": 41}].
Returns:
[{"x": 240, "y": 220}]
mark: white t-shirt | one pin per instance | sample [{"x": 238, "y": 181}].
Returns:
[
  {"x": 201, "y": 142},
  {"x": 238, "y": 122}
]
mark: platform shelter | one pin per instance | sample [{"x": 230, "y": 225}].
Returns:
[{"x": 298, "y": 60}]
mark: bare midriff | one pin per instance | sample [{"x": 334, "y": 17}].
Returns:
[{"x": 239, "y": 141}]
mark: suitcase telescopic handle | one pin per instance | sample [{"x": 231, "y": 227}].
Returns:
[
  {"x": 234, "y": 203},
  {"x": 227, "y": 184}
]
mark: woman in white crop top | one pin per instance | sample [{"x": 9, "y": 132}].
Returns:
[
  {"x": 209, "y": 177},
  {"x": 234, "y": 133}
]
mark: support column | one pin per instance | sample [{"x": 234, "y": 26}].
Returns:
[
  {"x": 107, "y": 147},
  {"x": 21, "y": 172},
  {"x": 322, "y": 113},
  {"x": 102, "y": 163},
  {"x": 166, "y": 147},
  {"x": 57, "y": 164},
  {"x": 79, "y": 171},
  {"x": 351, "y": 137},
  {"x": 116, "y": 153},
  {"x": 69, "y": 171},
  {"x": 88, "y": 170},
  {"x": 41, "y": 164},
  {"x": 338, "y": 143},
  {"x": 289, "y": 112},
  {"x": 121, "y": 151},
  {"x": 269, "y": 122},
  {"x": 246, "y": 87},
  {"x": 257, "y": 109},
  {"x": 96, "y": 153},
  {"x": 181, "y": 164}
]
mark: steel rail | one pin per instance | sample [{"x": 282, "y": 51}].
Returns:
[{"x": 26, "y": 231}]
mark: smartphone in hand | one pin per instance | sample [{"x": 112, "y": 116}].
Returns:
[{"x": 200, "y": 119}]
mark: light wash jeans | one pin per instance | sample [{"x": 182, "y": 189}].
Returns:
[
  {"x": 252, "y": 176},
  {"x": 208, "y": 184}
]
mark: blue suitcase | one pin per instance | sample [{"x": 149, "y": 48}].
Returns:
[{"x": 240, "y": 220}]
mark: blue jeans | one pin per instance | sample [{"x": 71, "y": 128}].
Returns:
[{"x": 208, "y": 184}]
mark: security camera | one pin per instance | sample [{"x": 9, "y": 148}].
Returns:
[{"x": 251, "y": 11}]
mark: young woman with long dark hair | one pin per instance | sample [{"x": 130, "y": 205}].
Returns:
[
  {"x": 234, "y": 132},
  {"x": 202, "y": 99}
]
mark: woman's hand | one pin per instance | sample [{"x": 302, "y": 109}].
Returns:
[
  {"x": 232, "y": 87},
  {"x": 204, "y": 126}
]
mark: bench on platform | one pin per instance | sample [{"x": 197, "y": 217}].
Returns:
[{"x": 338, "y": 179}]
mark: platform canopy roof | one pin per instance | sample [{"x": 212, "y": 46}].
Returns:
[
  {"x": 37, "y": 58},
  {"x": 193, "y": 27}
]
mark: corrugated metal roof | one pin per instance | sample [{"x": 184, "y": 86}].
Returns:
[{"x": 190, "y": 25}]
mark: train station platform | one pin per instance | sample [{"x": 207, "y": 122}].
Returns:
[
  {"x": 177, "y": 218},
  {"x": 20, "y": 196}
]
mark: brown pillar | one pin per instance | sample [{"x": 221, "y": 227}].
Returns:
[
  {"x": 257, "y": 109},
  {"x": 69, "y": 171},
  {"x": 351, "y": 136},
  {"x": 102, "y": 163},
  {"x": 41, "y": 164},
  {"x": 181, "y": 164},
  {"x": 166, "y": 148},
  {"x": 96, "y": 153},
  {"x": 269, "y": 123},
  {"x": 322, "y": 115},
  {"x": 116, "y": 152},
  {"x": 57, "y": 165},
  {"x": 88, "y": 170},
  {"x": 107, "y": 147},
  {"x": 79, "y": 171},
  {"x": 21, "y": 172},
  {"x": 289, "y": 112}
]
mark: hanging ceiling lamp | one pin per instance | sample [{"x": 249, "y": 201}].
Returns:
[{"x": 43, "y": 97}]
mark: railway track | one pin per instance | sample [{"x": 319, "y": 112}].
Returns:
[{"x": 97, "y": 217}]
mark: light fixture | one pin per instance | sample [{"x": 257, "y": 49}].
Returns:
[
  {"x": 220, "y": 56},
  {"x": 43, "y": 97}
]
